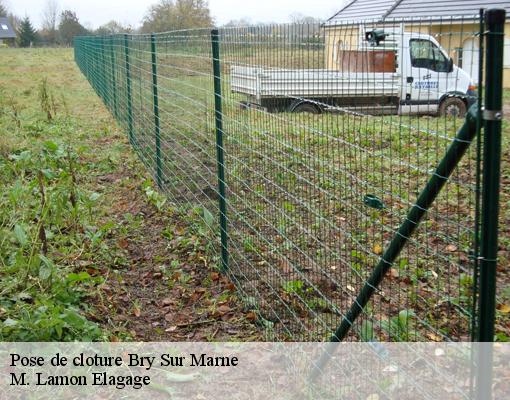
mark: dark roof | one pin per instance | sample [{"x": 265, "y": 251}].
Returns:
[
  {"x": 6, "y": 30},
  {"x": 400, "y": 10}
]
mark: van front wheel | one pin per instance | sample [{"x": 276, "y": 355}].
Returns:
[
  {"x": 453, "y": 107},
  {"x": 305, "y": 107}
]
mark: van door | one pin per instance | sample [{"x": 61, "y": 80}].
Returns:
[{"x": 428, "y": 70}]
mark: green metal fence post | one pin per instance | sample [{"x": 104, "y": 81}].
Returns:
[
  {"x": 102, "y": 72},
  {"x": 113, "y": 76},
  {"x": 215, "y": 40},
  {"x": 476, "y": 244},
  {"x": 492, "y": 114},
  {"x": 159, "y": 169},
  {"x": 128, "y": 89}
]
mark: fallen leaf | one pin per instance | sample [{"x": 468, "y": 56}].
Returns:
[
  {"x": 227, "y": 317},
  {"x": 195, "y": 296},
  {"x": 215, "y": 276},
  {"x": 84, "y": 263},
  {"x": 434, "y": 337},
  {"x": 452, "y": 248},
  {"x": 463, "y": 257},
  {"x": 167, "y": 302},
  {"x": 504, "y": 308},
  {"x": 378, "y": 249},
  {"x": 123, "y": 243},
  {"x": 394, "y": 273},
  {"x": 137, "y": 312},
  {"x": 223, "y": 309},
  {"x": 93, "y": 271},
  {"x": 251, "y": 316},
  {"x": 286, "y": 266}
]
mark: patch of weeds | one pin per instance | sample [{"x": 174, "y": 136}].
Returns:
[
  {"x": 294, "y": 287},
  {"x": 154, "y": 197},
  {"x": 14, "y": 110},
  {"x": 249, "y": 245},
  {"x": 402, "y": 327},
  {"x": 47, "y": 100},
  {"x": 41, "y": 222}
]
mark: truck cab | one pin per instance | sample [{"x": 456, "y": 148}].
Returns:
[{"x": 431, "y": 82}]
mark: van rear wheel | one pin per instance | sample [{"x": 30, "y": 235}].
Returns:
[{"x": 453, "y": 107}]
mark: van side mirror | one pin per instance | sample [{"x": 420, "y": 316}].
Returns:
[{"x": 450, "y": 65}]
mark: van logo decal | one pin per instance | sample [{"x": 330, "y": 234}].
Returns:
[{"x": 426, "y": 85}]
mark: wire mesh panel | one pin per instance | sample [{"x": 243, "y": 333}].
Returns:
[
  {"x": 330, "y": 133},
  {"x": 160, "y": 89},
  {"x": 322, "y": 171}
]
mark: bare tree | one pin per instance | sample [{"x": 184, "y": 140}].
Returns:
[
  {"x": 236, "y": 23},
  {"x": 298, "y": 18},
  {"x": 3, "y": 9},
  {"x": 49, "y": 20}
]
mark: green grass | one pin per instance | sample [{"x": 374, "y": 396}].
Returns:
[
  {"x": 49, "y": 220},
  {"x": 506, "y": 97},
  {"x": 77, "y": 208},
  {"x": 56, "y": 226}
]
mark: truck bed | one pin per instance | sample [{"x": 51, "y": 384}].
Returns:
[{"x": 263, "y": 83}]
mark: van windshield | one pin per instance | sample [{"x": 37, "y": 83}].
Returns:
[{"x": 425, "y": 54}]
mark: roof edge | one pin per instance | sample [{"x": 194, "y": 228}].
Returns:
[
  {"x": 473, "y": 18},
  {"x": 342, "y": 10}
]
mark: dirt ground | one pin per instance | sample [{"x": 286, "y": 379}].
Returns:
[{"x": 151, "y": 301}]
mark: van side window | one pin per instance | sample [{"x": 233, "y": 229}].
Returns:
[{"x": 425, "y": 54}]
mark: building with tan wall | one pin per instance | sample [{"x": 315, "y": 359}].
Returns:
[{"x": 453, "y": 23}]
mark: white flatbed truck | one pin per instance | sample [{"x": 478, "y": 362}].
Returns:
[{"x": 422, "y": 80}]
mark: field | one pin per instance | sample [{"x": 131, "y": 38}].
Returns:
[
  {"x": 88, "y": 249},
  {"x": 110, "y": 258}
]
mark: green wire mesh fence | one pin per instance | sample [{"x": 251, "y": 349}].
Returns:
[{"x": 302, "y": 148}]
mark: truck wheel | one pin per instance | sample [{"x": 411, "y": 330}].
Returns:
[
  {"x": 306, "y": 107},
  {"x": 453, "y": 107}
]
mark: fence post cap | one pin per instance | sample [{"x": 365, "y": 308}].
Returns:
[{"x": 495, "y": 16}]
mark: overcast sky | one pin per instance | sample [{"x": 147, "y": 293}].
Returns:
[{"x": 93, "y": 13}]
